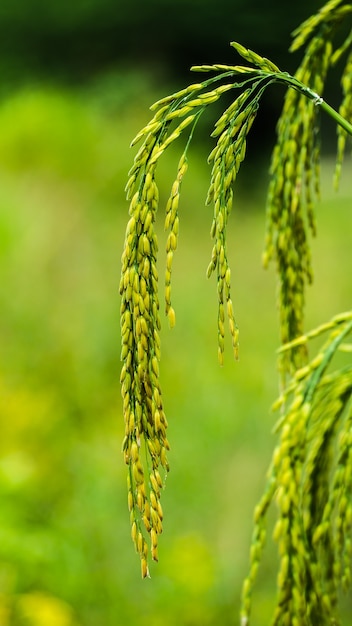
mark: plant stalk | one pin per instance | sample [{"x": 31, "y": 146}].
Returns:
[
  {"x": 336, "y": 116},
  {"x": 319, "y": 101}
]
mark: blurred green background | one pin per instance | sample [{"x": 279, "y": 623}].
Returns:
[{"x": 77, "y": 81}]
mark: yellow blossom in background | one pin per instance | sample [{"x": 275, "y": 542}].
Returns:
[{"x": 40, "y": 609}]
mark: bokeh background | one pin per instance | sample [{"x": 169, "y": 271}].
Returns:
[{"x": 76, "y": 81}]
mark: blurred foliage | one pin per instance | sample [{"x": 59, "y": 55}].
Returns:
[
  {"x": 87, "y": 36},
  {"x": 64, "y": 558},
  {"x": 61, "y": 42}
]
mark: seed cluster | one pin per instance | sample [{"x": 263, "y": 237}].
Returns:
[
  {"x": 294, "y": 184},
  {"x": 311, "y": 483},
  {"x": 295, "y": 171},
  {"x": 346, "y": 111},
  {"x": 145, "y": 443},
  {"x": 145, "y": 421},
  {"x": 249, "y": 55},
  {"x": 232, "y": 129},
  {"x": 329, "y": 14},
  {"x": 172, "y": 225}
]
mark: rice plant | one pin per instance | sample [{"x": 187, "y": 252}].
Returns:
[{"x": 310, "y": 476}]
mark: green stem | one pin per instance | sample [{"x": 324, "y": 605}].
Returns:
[
  {"x": 296, "y": 84},
  {"x": 336, "y": 116}
]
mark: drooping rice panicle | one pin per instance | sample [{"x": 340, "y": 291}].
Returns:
[
  {"x": 310, "y": 480},
  {"x": 346, "y": 111},
  {"x": 294, "y": 185}
]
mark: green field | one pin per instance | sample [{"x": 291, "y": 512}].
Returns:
[{"x": 66, "y": 558}]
